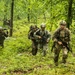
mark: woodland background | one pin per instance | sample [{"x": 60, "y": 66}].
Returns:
[{"x": 17, "y": 16}]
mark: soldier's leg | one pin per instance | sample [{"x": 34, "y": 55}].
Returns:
[
  {"x": 56, "y": 55},
  {"x": 65, "y": 55},
  {"x": 2, "y": 44},
  {"x": 45, "y": 47},
  {"x": 34, "y": 48},
  {"x": 40, "y": 47}
]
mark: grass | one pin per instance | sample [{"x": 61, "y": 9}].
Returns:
[{"x": 16, "y": 57}]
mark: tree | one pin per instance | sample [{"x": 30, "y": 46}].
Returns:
[
  {"x": 11, "y": 23},
  {"x": 69, "y": 18},
  {"x": 5, "y": 13}
]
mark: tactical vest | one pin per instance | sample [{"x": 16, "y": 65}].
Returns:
[
  {"x": 44, "y": 36},
  {"x": 40, "y": 33},
  {"x": 66, "y": 36}
]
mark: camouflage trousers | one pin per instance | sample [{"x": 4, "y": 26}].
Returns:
[
  {"x": 44, "y": 48},
  {"x": 34, "y": 47},
  {"x": 57, "y": 50},
  {"x": 2, "y": 43}
]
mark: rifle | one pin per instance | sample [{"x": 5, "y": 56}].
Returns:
[
  {"x": 44, "y": 39},
  {"x": 67, "y": 46},
  {"x": 64, "y": 44}
]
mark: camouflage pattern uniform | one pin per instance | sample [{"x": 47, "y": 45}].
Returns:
[
  {"x": 64, "y": 35},
  {"x": 43, "y": 37},
  {"x": 3, "y": 35},
  {"x": 32, "y": 38}
]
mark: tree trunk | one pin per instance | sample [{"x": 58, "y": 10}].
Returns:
[
  {"x": 51, "y": 17},
  {"x": 69, "y": 18},
  {"x": 5, "y": 13},
  {"x": 28, "y": 15},
  {"x": 11, "y": 23}
]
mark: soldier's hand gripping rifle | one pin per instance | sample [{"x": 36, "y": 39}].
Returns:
[
  {"x": 44, "y": 39},
  {"x": 64, "y": 44},
  {"x": 67, "y": 45}
]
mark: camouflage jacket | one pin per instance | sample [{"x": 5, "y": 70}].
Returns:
[
  {"x": 45, "y": 35},
  {"x": 3, "y": 35},
  {"x": 64, "y": 35}
]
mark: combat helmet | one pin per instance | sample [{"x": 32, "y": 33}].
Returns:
[
  {"x": 43, "y": 25},
  {"x": 63, "y": 23}
]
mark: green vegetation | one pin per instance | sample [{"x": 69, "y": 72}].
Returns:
[{"x": 16, "y": 57}]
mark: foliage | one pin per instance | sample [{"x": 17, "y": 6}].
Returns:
[
  {"x": 38, "y": 9},
  {"x": 16, "y": 57}
]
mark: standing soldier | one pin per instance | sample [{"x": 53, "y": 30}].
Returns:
[
  {"x": 32, "y": 38},
  {"x": 3, "y": 35},
  {"x": 61, "y": 40},
  {"x": 43, "y": 36}
]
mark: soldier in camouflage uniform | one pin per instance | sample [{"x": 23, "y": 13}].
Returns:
[
  {"x": 61, "y": 34},
  {"x": 43, "y": 37},
  {"x": 32, "y": 38},
  {"x": 3, "y": 35}
]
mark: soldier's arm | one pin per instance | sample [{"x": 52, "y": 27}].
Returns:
[
  {"x": 36, "y": 34},
  {"x": 30, "y": 35}
]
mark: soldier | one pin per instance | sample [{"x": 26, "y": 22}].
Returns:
[
  {"x": 61, "y": 39},
  {"x": 3, "y": 35},
  {"x": 43, "y": 37},
  {"x": 32, "y": 38}
]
